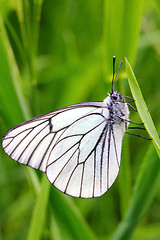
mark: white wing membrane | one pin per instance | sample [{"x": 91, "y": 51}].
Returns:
[
  {"x": 75, "y": 146},
  {"x": 87, "y": 186},
  {"x": 66, "y": 118},
  {"x": 115, "y": 152},
  {"x": 30, "y": 142},
  {"x": 71, "y": 154}
]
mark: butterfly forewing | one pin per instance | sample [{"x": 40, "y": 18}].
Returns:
[{"x": 29, "y": 142}]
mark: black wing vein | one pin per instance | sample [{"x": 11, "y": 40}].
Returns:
[
  {"x": 102, "y": 154},
  {"x": 31, "y": 142},
  {"x": 114, "y": 141},
  {"x": 109, "y": 140}
]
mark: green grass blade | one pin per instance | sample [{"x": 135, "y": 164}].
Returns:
[
  {"x": 12, "y": 105},
  {"x": 37, "y": 6},
  {"x": 120, "y": 30},
  {"x": 158, "y": 5},
  {"x": 141, "y": 107},
  {"x": 39, "y": 213},
  {"x": 125, "y": 178},
  {"x": 73, "y": 223},
  {"x": 146, "y": 187}
]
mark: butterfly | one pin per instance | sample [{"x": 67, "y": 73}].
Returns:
[{"x": 78, "y": 146}]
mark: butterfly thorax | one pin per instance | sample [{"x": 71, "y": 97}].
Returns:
[{"x": 118, "y": 109}]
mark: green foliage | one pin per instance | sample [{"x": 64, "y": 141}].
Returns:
[
  {"x": 56, "y": 53},
  {"x": 141, "y": 107}
]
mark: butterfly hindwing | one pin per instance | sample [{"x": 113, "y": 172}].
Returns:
[{"x": 70, "y": 166}]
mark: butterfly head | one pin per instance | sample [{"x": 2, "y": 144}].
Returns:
[{"x": 115, "y": 96}]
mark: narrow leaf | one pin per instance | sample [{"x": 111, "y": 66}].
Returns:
[
  {"x": 141, "y": 107},
  {"x": 39, "y": 213},
  {"x": 145, "y": 189},
  {"x": 73, "y": 222}
]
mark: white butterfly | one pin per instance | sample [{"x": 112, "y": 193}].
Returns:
[{"x": 78, "y": 147}]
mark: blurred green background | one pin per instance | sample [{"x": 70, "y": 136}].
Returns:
[{"x": 56, "y": 53}]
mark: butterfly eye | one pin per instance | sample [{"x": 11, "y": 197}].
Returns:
[{"x": 114, "y": 97}]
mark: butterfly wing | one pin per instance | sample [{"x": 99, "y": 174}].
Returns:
[
  {"x": 29, "y": 143},
  {"x": 86, "y": 157},
  {"x": 75, "y": 146}
]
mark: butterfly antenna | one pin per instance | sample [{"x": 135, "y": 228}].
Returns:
[
  {"x": 114, "y": 59},
  {"x": 114, "y": 78}
]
